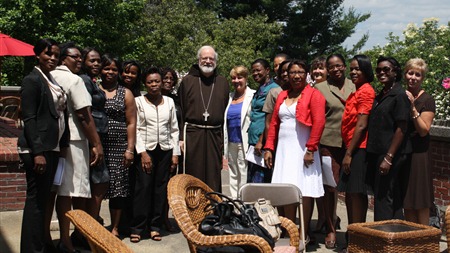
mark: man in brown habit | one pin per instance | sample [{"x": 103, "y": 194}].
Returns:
[{"x": 203, "y": 97}]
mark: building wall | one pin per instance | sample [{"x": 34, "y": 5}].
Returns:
[{"x": 13, "y": 182}]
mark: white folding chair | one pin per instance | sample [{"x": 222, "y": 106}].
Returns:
[{"x": 279, "y": 195}]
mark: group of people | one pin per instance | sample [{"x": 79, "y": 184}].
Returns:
[
  {"x": 86, "y": 121},
  {"x": 311, "y": 120},
  {"x": 88, "y": 135}
]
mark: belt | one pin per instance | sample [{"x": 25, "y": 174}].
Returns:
[
  {"x": 202, "y": 126},
  {"x": 184, "y": 138}
]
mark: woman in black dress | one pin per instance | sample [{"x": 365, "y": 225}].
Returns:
[
  {"x": 120, "y": 139},
  {"x": 91, "y": 66},
  {"x": 419, "y": 195}
]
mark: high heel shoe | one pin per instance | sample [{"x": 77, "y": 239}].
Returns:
[
  {"x": 330, "y": 244},
  {"x": 63, "y": 249},
  {"x": 337, "y": 224},
  {"x": 320, "y": 228}
]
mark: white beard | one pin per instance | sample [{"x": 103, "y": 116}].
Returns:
[{"x": 207, "y": 70}]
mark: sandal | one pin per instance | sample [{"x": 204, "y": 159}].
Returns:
[
  {"x": 135, "y": 238},
  {"x": 155, "y": 236},
  {"x": 330, "y": 244}
]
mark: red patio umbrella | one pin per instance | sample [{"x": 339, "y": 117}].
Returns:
[{"x": 13, "y": 47}]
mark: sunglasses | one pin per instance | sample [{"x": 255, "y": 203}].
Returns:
[{"x": 384, "y": 69}]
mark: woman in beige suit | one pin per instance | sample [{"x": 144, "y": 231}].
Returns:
[
  {"x": 336, "y": 90},
  {"x": 237, "y": 121}
]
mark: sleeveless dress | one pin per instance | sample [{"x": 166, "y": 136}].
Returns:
[
  {"x": 290, "y": 151},
  {"x": 115, "y": 144}
]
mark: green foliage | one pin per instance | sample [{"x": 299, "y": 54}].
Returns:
[
  {"x": 169, "y": 32},
  {"x": 173, "y": 31},
  {"x": 105, "y": 24},
  {"x": 310, "y": 28},
  {"x": 430, "y": 42}
]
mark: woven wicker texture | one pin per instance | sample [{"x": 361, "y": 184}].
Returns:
[
  {"x": 447, "y": 226},
  {"x": 363, "y": 237},
  {"x": 100, "y": 240},
  {"x": 187, "y": 201}
]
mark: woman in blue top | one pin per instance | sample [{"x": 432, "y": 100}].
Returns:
[
  {"x": 260, "y": 72},
  {"x": 237, "y": 121}
]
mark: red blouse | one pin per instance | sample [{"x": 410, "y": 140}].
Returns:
[
  {"x": 310, "y": 111},
  {"x": 359, "y": 102}
]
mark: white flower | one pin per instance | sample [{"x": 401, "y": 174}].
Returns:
[{"x": 432, "y": 19}]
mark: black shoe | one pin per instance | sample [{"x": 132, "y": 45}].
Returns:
[
  {"x": 100, "y": 220},
  {"x": 50, "y": 247},
  {"x": 79, "y": 240},
  {"x": 63, "y": 249},
  {"x": 337, "y": 225}
]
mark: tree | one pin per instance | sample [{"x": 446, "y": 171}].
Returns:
[
  {"x": 430, "y": 42},
  {"x": 172, "y": 32},
  {"x": 107, "y": 25},
  {"x": 310, "y": 28}
]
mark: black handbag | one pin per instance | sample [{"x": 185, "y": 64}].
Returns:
[{"x": 232, "y": 217}]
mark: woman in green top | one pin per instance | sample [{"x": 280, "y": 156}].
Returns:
[{"x": 260, "y": 71}]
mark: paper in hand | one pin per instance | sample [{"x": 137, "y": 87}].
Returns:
[
  {"x": 59, "y": 171},
  {"x": 251, "y": 157}
]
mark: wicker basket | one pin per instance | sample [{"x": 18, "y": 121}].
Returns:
[{"x": 392, "y": 236}]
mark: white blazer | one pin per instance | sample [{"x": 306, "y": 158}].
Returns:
[{"x": 245, "y": 119}]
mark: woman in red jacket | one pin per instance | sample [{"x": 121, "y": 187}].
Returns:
[{"x": 299, "y": 111}]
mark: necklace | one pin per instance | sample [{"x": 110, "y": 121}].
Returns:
[
  {"x": 205, "y": 114},
  {"x": 154, "y": 100},
  {"x": 237, "y": 98},
  {"x": 386, "y": 91},
  {"x": 418, "y": 94},
  {"x": 110, "y": 89}
]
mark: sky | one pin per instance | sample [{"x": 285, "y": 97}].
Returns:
[{"x": 393, "y": 16}]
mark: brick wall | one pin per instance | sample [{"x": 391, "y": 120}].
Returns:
[
  {"x": 13, "y": 182},
  {"x": 12, "y": 179},
  {"x": 440, "y": 159},
  {"x": 12, "y": 186}
]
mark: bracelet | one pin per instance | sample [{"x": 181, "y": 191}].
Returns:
[
  {"x": 348, "y": 153},
  {"x": 390, "y": 164},
  {"x": 129, "y": 151},
  {"x": 309, "y": 151},
  {"x": 390, "y": 155},
  {"x": 415, "y": 117}
]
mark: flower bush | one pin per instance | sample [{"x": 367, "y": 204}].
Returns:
[
  {"x": 431, "y": 42},
  {"x": 442, "y": 98}
]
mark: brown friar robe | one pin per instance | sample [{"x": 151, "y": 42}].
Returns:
[{"x": 203, "y": 139}]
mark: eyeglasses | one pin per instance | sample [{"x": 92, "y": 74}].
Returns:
[
  {"x": 384, "y": 69},
  {"x": 208, "y": 58},
  {"x": 337, "y": 66},
  {"x": 293, "y": 73},
  {"x": 75, "y": 57}
]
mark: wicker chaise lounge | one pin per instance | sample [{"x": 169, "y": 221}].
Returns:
[{"x": 187, "y": 201}]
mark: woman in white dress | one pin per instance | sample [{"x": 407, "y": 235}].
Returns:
[{"x": 299, "y": 111}]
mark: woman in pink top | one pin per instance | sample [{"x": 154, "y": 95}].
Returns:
[{"x": 297, "y": 124}]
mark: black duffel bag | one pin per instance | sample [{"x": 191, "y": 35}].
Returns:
[{"x": 232, "y": 217}]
